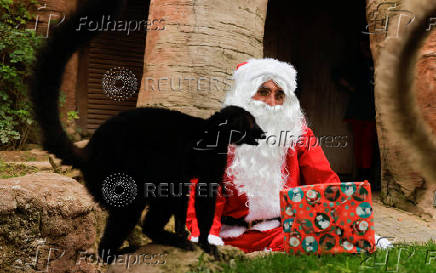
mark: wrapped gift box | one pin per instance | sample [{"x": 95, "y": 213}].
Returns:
[{"x": 328, "y": 218}]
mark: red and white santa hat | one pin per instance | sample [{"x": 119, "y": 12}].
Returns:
[{"x": 249, "y": 76}]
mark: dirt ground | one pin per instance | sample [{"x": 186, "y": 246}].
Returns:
[{"x": 401, "y": 226}]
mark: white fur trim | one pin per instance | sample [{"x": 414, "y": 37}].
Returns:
[
  {"x": 213, "y": 240},
  {"x": 251, "y": 75},
  {"x": 231, "y": 231},
  {"x": 267, "y": 250},
  {"x": 263, "y": 208},
  {"x": 382, "y": 243},
  {"x": 266, "y": 225}
]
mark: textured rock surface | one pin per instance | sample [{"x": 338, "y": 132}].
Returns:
[
  {"x": 378, "y": 11},
  {"x": 46, "y": 220},
  {"x": 426, "y": 80},
  {"x": 426, "y": 100},
  {"x": 402, "y": 186},
  {"x": 188, "y": 65}
]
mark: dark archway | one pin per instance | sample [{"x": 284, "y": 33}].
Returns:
[
  {"x": 117, "y": 47},
  {"x": 322, "y": 40}
]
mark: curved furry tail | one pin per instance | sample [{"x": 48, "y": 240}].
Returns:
[{"x": 52, "y": 58}]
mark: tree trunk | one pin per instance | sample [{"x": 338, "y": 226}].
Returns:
[{"x": 188, "y": 66}]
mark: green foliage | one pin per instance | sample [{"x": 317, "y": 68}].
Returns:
[
  {"x": 71, "y": 115},
  {"x": 415, "y": 258},
  {"x": 17, "y": 53},
  {"x": 15, "y": 170},
  {"x": 62, "y": 98},
  {"x": 202, "y": 266}
]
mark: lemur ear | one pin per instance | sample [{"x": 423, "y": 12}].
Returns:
[{"x": 216, "y": 120}]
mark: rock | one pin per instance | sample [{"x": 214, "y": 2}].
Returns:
[
  {"x": 46, "y": 221},
  {"x": 31, "y": 146},
  {"x": 402, "y": 185},
  {"x": 426, "y": 81},
  {"x": 72, "y": 130},
  {"x": 41, "y": 165}
]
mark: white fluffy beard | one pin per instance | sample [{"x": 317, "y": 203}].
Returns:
[{"x": 257, "y": 170}]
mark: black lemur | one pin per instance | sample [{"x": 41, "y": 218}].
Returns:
[{"x": 138, "y": 148}]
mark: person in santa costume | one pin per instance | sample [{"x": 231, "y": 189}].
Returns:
[{"x": 247, "y": 211}]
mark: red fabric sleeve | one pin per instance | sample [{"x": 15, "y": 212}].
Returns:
[
  {"x": 191, "y": 219},
  {"x": 314, "y": 166}
]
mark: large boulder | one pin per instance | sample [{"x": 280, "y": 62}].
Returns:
[
  {"x": 47, "y": 221},
  {"x": 403, "y": 184}
]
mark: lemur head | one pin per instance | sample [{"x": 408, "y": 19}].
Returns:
[{"x": 231, "y": 125}]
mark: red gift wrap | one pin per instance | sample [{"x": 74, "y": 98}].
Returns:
[{"x": 328, "y": 218}]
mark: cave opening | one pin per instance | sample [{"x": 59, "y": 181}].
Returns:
[
  {"x": 325, "y": 42},
  {"x": 115, "y": 59}
]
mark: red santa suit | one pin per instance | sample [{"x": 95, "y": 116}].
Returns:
[
  {"x": 305, "y": 165},
  {"x": 256, "y": 174}
]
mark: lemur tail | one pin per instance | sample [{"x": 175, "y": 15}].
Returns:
[{"x": 52, "y": 58}]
